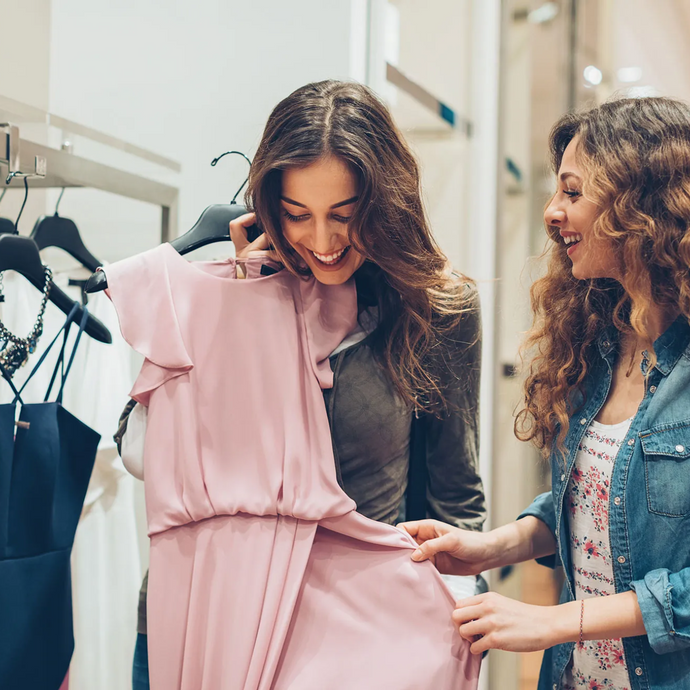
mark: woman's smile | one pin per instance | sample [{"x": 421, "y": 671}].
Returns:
[
  {"x": 332, "y": 259},
  {"x": 318, "y": 203}
]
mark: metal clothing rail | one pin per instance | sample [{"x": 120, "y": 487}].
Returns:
[
  {"x": 427, "y": 99},
  {"x": 21, "y": 112},
  {"x": 49, "y": 167}
]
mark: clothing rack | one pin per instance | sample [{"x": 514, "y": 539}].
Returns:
[{"x": 49, "y": 167}]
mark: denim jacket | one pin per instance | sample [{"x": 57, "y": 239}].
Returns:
[{"x": 649, "y": 513}]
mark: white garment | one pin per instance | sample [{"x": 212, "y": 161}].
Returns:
[
  {"x": 597, "y": 663},
  {"x": 132, "y": 452},
  {"x": 106, "y": 567}
]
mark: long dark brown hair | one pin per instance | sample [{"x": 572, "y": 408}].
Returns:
[
  {"x": 418, "y": 306},
  {"x": 636, "y": 157}
]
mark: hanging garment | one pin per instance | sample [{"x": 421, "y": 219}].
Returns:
[
  {"x": 106, "y": 563},
  {"x": 44, "y": 473},
  {"x": 262, "y": 574}
]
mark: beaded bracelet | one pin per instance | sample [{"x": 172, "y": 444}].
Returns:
[{"x": 582, "y": 615}]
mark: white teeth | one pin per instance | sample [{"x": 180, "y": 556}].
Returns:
[
  {"x": 569, "y": 239},
  {"x": 329, "y": 258}
]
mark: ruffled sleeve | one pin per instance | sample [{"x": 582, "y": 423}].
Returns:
[
  {"x": 330, "y": 314},
  {"x": 140, "y": 289}
]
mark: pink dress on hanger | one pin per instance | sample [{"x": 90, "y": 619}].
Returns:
[{"x": 263, "y": 575}]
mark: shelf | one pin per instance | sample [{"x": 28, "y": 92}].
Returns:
[
  {"x": 49, "y": 167},
  {"x": 16, "y": 112}
]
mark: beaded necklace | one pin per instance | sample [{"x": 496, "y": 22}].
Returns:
[{"x": 15, "y": 351}]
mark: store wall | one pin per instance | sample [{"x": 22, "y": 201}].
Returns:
[
  {"x": 188, "y": 81},
  {"x": 435, "y": 47},
  {"x": 653, "y": 37},
  {"x": 25, "y": 51},
  {"x": 24, "y": 77}
]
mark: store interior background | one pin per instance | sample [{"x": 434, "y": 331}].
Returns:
[{"x": 188, "y": 81}]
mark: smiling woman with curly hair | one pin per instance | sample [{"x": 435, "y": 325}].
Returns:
[
  {"x": 641, "y": 184},
  {"x": 607, "y": 399}
]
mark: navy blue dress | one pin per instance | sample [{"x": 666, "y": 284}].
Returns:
[{"x": 46, "y": 459}]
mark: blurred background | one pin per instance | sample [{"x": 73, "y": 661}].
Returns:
[{"x": 128, "y": 102}]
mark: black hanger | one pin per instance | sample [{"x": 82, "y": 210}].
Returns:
[
  {"x": 55, "y": 231},
  {"x": 21, "y": 254},
  {"x": 213, "y": 226},
  {"x": 6, "y": 225}
]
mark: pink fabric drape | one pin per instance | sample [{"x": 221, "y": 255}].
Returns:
[{"x": 263, "y": 576}]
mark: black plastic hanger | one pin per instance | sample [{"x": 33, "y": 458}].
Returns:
[
  {"x": 55, "y": 231},
  {"x": 6, "y": 225},
  {"x": 213, "y": 226},
  {"x": 21, "y": 254}
]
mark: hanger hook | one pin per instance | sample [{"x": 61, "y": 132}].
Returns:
[
  {"x": 26, "y": 195},
  {"x": 58, "y": 201},
  {"x": 238, "y": 153}
]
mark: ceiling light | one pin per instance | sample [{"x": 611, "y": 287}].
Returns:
[
  {"x": 628, "y": 75},
  {"x": 544, "y": 13},
  {"x": 641, "y": 91},
  {"x": 593, "y": 75}
]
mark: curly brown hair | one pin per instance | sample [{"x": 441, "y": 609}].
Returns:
[
  {"x": 418, "y": 305},
  {"x": 636, "y": 158}
]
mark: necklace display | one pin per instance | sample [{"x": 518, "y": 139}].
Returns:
[{"x": 15, "y": 351}]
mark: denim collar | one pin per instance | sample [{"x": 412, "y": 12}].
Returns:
[
  {"x": 608, "y": 341},
  {"x": 672, "y": 344},
  {"x": 669, "y": 346}
]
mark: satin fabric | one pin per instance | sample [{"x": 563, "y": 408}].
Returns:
[{"x": 262, "y": 573}]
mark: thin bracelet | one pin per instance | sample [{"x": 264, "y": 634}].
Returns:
[{"x": 582, "y": 616}]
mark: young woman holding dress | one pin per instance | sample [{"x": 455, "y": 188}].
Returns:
[
  {"x": 607, "y": 398},
  {"x": 337, "y": 192}
]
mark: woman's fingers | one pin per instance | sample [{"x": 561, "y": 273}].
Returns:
[
  {"x": 483, "y": 644},
  {"x": 475, "y": 600},
  {"x": 238, "y": 231},
  {"x": 260, "y": 244},
  {"x": 474, "y": 625},
  {"x": 410, "y": 528},
  {"x": 428, "y": 549},
  {"x": 473, "y": 629},
  {"x": 421, "y": 530},
  {"x": 464, "y": 615},
  {"x": 491, "y": 621},
  {"x": 261, "y": 248},
  {"x": 244, "y": 249},
  {"x": 413, "y": 528}
]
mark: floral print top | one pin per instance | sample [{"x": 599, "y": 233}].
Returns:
[{"x": 596, "y": 664}]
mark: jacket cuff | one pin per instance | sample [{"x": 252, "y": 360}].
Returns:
[
  {"x": 542, "y": 508},
  {"x": 655, "y": 597}
]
